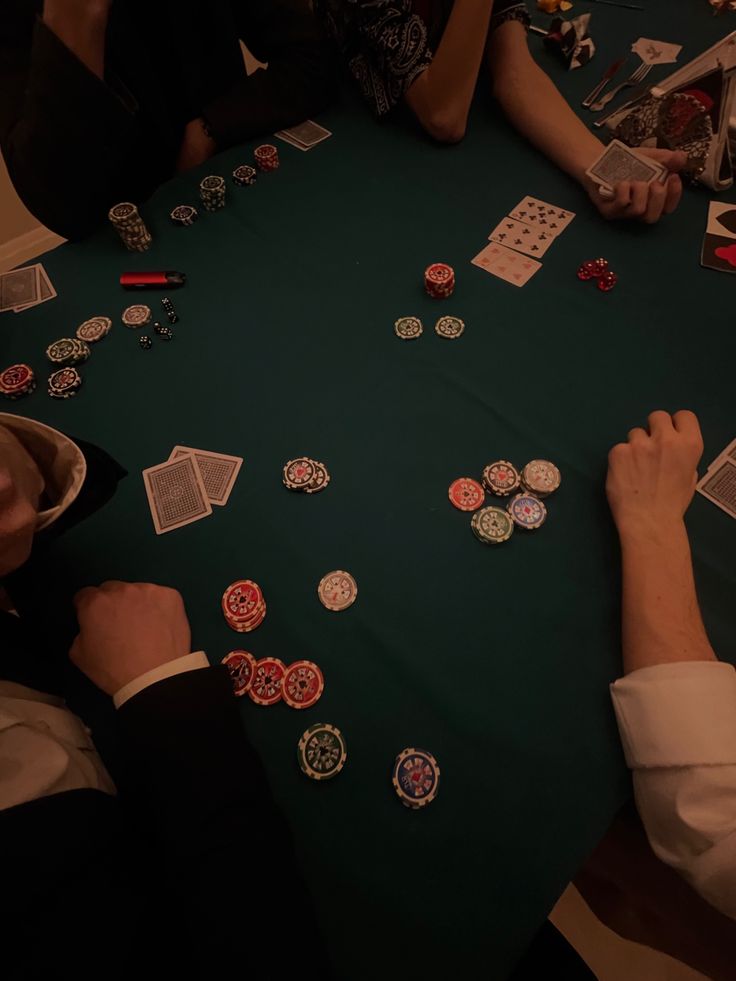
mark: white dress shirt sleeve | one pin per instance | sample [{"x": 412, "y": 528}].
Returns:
[
  {"x": 190, "y": 662},
  {"x": 678, "y": 728}
]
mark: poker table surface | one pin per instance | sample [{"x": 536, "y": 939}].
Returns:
[{"x": 497, "y": 660}]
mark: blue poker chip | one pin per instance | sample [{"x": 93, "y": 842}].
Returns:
[
  {"x": 527, "y": 511},
  {"x": 416, "y": 777}
]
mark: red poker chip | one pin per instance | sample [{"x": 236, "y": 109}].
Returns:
[
  {"x": 268, "y": 677},
  {"x": 240, "y": 666},
  {"x": 15, "y": 377},
  {"x": 303, "y": 685},
  {"x": 466, "y": 494},
  {"x": 241, "y": 601},
  {"x": 245, "y": 626}
]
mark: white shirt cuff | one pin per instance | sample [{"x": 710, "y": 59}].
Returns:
[
  {"x": 190, "y": 662},
  {"x": 679, "y": 714}
]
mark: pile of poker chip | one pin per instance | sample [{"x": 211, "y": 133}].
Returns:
[
  {"x": 68, "y": 350},
  {"x": 184, "y": 215},
  {"x": 266, "y": 157},
  {"x": 64, "y": 383},
  {"x": 439, "y": 280},
  {"x": 305, "y": 474},
  {"x": 131, "y": 228},
  {"x": 17, "y": 380},
  {"x": 212, "y": 192},
  {"x": 94, "y": 329},
  {"x": 268, "y": 680},
  {"x": 243, "y": 606},
  {"x": 244, "y": 175},
  {"x": 493, "y": 525}
]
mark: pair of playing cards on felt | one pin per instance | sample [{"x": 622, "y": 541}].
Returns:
[
  {"x": 305, "y": 135},
  {"x": 521, "y": 239},
  {"x": 25, "y": 287},
  {"x": 719, "y": 241},
  {"x": 184, "y": 488},
  {"x": 719, "y": 482}
]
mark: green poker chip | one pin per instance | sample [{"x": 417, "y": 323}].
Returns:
[
  {"x": 321, "y": 751},
  {"x": 492, "y": 525}
]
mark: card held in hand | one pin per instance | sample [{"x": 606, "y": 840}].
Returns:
[
  {"x": 619, "y": 162},
  {"x": 219, "y": 471},
  {"x": 176, "y": 494},
  {"x": 719, "y": 486}
]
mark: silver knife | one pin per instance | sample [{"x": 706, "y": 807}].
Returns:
[{"x": 636, "y": 93}]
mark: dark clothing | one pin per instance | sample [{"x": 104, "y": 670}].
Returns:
[
  {"x": 386, "y": 44},
  {"x": 190, "y": 872},
  {"x": 75, "y": 145}
]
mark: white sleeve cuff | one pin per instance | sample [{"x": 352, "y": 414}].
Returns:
[
  {"x": 190, "y": 662},
  {"x": 679, "y": 714}
]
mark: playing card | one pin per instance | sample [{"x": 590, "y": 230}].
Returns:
[
  {"x": 532, "y": 211},
  {"x": 46, "y": 289},
  {"x": 530, "y": 240},
  {"x": 656, "y": 52},
  {"x": 619, "y": 162},
  {"x": 305, "y": 135},
  {"x": 721, "y": 219},
  {"x": 19, "y": 287},
  {"x": 506, "y": 264},
  {"x": 176, "y": 494},
  {"x": 719, "y": 486},
  {"x": 218, "y": 471},
  {"x": 728, "y": 454},
  {"x": 719, "y": 253}
]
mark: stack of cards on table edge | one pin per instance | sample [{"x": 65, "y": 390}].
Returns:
[
  {"x": 184, "y": 488},
  {"x": 305, "y": 135},
  {"x": 516, "y": 242},
  {"x": 718, "y": 483},
  {"x": 719, "y": 241},
  {"x": 25, "y": 287}
]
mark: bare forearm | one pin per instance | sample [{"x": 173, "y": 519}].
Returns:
[
  {"x": 81, "y": 26},
  {"x": 533, "y": 103},
  {"x": 661, "y": 621},
  {"x": 441, "y": 95}
]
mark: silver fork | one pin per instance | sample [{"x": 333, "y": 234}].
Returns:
[{"x": 638, "y": 75}]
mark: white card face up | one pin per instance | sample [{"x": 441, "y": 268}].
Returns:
[
  {"x": 19, "y": 287},
  {"x": 218, "y": 470},
  {"x": 721, "y": 219},
  {"x": 530, "y": 240},
  {"x": 532, "y": 211},
  {"x": 176, "y": 494},
  {"x": 619, "y": 162},
  {"x": 719, "y": 486},
  {"x": 506, "y": 264},
  {"x": 656, "y": 52}
]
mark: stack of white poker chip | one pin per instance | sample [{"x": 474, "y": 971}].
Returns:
[
  {"x": 212, "y": 192},
  {"x": 131, "y": 228}
]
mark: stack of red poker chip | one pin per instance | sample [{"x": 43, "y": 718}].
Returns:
[
  {"x": 243, "y": 606},
  {"x": 267, "y": 157},
  {"x": 17, "y": 380},
  {"x": 439, "y": 280}
]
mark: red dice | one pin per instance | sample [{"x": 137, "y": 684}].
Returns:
[
  {"x": 587, "y": 270},
  {"x": 607, "y": 281}
]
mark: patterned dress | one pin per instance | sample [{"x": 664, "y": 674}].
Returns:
[{"x": 387, "y": 43}]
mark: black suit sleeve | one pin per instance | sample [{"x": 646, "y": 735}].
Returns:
[
  {"x": 203, "y": 792},
  {"x": 298, "y": 83},
  {"x": 69, "y": 139}
]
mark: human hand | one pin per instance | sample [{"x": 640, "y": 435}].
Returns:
[
  {"x": 636, "y": 199},
  {"x": 17, "y": 523},
  {"x": 196, "y": 146},
  {"x": 651, "y": 478},
  {"x": 126, "y": 629}
]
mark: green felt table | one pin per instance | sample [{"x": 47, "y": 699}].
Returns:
[{"x": 497, "y": 660}]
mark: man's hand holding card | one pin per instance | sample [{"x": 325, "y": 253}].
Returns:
[{"x": 638, "y": 183}]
